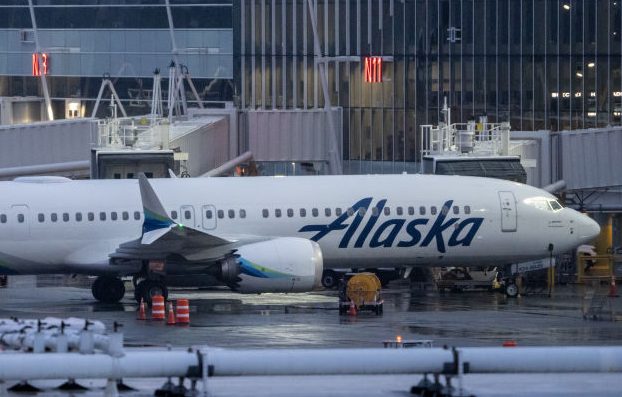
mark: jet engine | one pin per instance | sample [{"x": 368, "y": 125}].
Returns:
[{"x": 285, "y": 264}]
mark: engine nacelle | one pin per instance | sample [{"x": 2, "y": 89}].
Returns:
[{"x": 287, "y": 264}]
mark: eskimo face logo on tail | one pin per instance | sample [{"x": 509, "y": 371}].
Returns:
[{"x": 386, "y": 234}]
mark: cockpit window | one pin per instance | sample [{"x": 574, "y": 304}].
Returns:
[
  {"x": 543, "y": 203},
  {"x": 555, "y": 205}
]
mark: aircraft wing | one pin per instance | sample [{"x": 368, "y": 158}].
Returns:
[{"x": 162, "y": 236}]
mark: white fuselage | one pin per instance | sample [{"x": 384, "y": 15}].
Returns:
[{"x": 395, "y": 220}]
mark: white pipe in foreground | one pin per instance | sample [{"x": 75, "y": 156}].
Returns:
[
  {"x": 142, "y": 364},
  {"x": 151, "y": 364},
  {"x": 405, "y": 361}
]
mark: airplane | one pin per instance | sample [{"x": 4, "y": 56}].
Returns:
[{"x": 273, "y": 234}]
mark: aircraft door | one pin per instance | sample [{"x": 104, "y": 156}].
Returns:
[
  {"x": 19, "y": 221},
  {"x": 209, "y": 217},
  {"x": 508, "y": 211},
  {"x": 187, "y": 215}
]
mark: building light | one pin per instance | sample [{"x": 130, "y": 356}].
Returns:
[
  {"x": 578, "y": 94},
  {"x": 617, "y": 93},
  {"x": 566, "y": 7},
  {"x": 617, "y": 114},
  {"x": 373, "y": 69},
  {"x": 591, "y": 114},
  {"x": 45, "y": 64},
  {"x": 579, "y": 74},
  {"x": 593, "y": 94},
  {"x": 554, "y": 95},
  {"x": 565, "y": 95},
  {"x": 591, "y": 65}
]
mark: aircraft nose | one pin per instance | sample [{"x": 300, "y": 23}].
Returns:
[{"x": 588, "y": 228}]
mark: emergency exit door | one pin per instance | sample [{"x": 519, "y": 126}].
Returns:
[{"x": 508, "y": 211}]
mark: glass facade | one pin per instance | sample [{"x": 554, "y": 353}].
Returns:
[
  {"x": 128, "y": 39},
  {"x": 539, "y": 64}
]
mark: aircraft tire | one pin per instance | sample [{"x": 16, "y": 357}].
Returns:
[
  {"x": 511, "y": 290},
  {"x": 108, "y": 289},
  {"x": 148, "y": 288},
  {"x": 329, "y": 279},
  {"x": 96, "y": 288}
]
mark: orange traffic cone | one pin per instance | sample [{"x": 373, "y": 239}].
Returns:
[
  {"x": 352, "y": 309},
  {"x": 613, "y": 290},
  {"x": 171, "y": 315},
  {"x": 141, "y": 310},
  {"x": 157, "y": 307},
  {"x": 183, "y": 311}
]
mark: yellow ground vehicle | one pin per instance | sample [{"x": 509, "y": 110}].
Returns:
[{"x": 361, "y": 290}]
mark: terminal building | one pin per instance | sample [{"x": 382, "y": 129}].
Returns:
[{"x": 540, "y": 65}]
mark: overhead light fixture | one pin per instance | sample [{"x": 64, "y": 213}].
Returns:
[
  {"x": 591, "y": 65},
  {"x": 566, "y": 7}
]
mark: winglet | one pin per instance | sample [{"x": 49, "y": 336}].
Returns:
[{"x": 155, "y": 215}]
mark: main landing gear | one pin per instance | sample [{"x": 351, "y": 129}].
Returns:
[
  {"x": 145, "y": 289},
  {"x": 108, "y": 289}
]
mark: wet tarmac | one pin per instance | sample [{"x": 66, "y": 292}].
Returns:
[{"x": 225, "y": 319}]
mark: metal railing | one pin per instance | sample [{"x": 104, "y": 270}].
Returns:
[{"x": 133, "y": 133}]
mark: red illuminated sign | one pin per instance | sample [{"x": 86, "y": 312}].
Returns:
[
  {"x": 373, "y": 69},
  {"x": 45, "y": 63}
]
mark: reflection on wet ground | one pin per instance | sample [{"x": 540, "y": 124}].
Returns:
[{"x": 222, "y": 318}]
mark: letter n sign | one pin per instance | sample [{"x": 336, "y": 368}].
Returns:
[{"x": 373, "y": 69}]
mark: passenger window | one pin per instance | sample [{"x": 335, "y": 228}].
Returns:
[
  {"x": 350, "y": 211},
  {"x": 91, "y": 216},
  {"x": 422, "y": 210},
  {"x": 456, "y": 209},
  {"x": 375, "y": 211},
  {"x": 2, "y": 218},
  {"x": 54, "y": 217},
  {"x": 411, "y": 210},
  {"x": 20, "y": 218},
  {"x": 399, "y": 210},
  {"x": 173, "y": 215},
  {"x": 113, "y": 216},
  {"x": 137, "y": 215},
  {"x": 327, "y": 211},
  {"x": 338, "y": 211},
  {"x": 387, "y": 211},
  {"x": 433, "y": 210},
  {"x": 126, "y": 215},
  {"x": 78, "y": 216},
  {"x": 290, "y": 212},
  {"x": 265, "y": 213},
  {"x": 242, "y": 214},
  {"x": 187, "y": 214},
  {"x": 445, "y": 210},
  {"x": 221, "y": 214},
  {"x": 209, "y": 214},
  {"x": 303, "y": 212},
  {"x": 467, "y": 209},
  {"x": 231, "y": 214},
  {"x": 315, "y": 212},
  {"x": 362, "y": 211},
  {"x": 102, "y": 216},
  {"x": 277, "y": 213},
  {"x": 41, "y": 218},
  {"x": 65, "y": 217}
]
